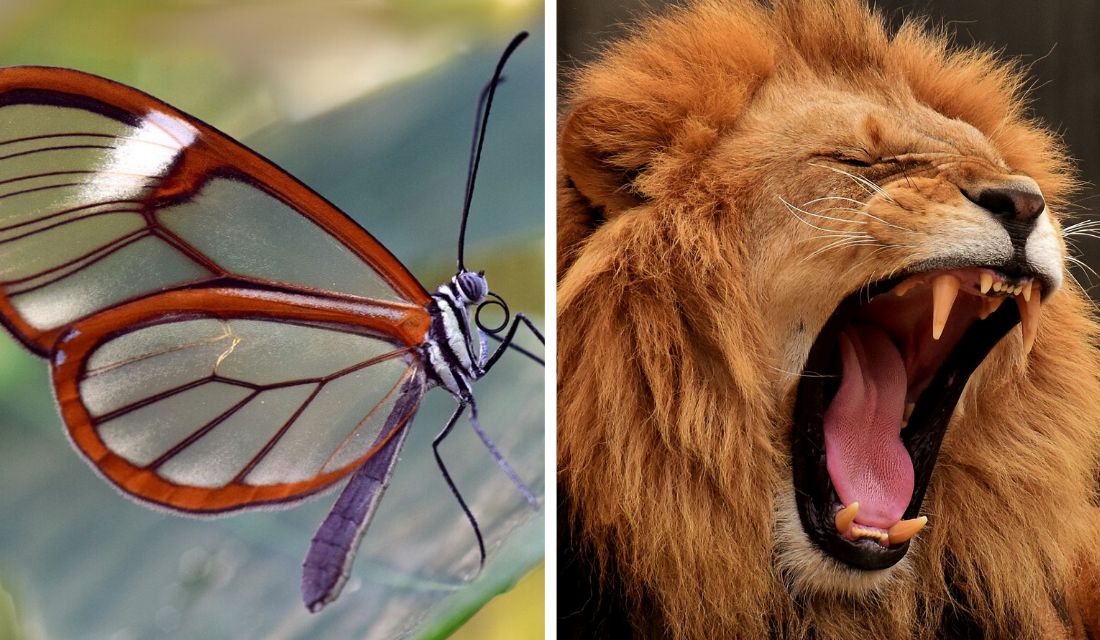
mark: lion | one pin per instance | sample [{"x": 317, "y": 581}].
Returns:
[{"x": 823, "y": 372}]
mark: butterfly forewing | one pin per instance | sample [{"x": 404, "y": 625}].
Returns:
[
  {"x": 227, "y": 401},
  {"x": 107, "y": 195}
]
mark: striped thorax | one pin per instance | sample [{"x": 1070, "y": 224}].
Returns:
[{"x": 450, "y": 347}]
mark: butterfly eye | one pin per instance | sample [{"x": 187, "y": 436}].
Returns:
[{"x": 472, "y": 286}]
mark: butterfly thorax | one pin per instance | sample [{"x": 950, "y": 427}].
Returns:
[{"x": 454, "y": 349}]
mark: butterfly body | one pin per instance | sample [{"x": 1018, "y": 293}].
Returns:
[
  {"x": 449, "y": 346},
  {"x": 221, "y": 338}
]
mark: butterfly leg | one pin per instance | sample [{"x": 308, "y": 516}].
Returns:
[
  {"x": 507, "y": 468},
  {"x": 506, "y": 341},
  {"x": 462, "y": 404}
]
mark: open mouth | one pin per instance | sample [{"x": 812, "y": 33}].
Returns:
[{"x": 879, "y": 388}]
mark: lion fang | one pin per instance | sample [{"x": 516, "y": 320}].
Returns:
[
  {"x": 944, "y": 290},
  {"x": 906, "y": 529},
  {"x": 846, "y": 516},
  {"x": 1029, "y": 315}
]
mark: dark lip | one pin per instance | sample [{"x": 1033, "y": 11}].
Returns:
[{"x": 814, "y": 494}]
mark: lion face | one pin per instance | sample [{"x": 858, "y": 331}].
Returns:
[
  {"x": 814, "y": 338},
  {"x": 924, "y": 230}
]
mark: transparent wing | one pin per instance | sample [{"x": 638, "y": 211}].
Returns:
[
  {"x": 218, "y": 407},
  {"x": 107, "y": 195}
]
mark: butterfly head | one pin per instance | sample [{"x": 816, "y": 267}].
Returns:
[{"x": 471, "y": 287}]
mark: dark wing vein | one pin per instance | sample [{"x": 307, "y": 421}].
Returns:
[
  {"x": 202, "y": 431},
  {"x": 80, "y": 262},
  {"x": 77, "y": 172},
  {"x": 64, "y": 212},
  {"x": 61, "y": 223},
  {"x": 274, "y": 440},
  {"x": 62, "y": 186},
  {"x": 67, "y": 147},
  {"x": 108, "y": 136}
]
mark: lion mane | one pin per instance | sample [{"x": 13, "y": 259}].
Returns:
[{"x": 729, "y": 174}]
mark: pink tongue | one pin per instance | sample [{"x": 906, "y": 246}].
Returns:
[{"x": 866, "y": 459}]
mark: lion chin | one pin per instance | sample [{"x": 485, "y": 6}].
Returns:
[{"x": 822, "y": 369}]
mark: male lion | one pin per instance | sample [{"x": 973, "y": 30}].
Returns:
[{"x": 797, "y": 398}]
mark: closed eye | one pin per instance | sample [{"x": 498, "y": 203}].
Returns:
[{"x": 853, "y": 162}]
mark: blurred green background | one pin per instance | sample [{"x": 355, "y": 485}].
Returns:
[{"x": 371, "y": 104}]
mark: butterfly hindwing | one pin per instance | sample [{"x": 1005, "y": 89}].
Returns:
[{"x": 223, "y": 399}]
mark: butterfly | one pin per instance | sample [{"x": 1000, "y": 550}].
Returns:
[{"x": 220, "y": 337}]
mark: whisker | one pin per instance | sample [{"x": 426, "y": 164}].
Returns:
[
  {"x": 840, "y": 244},
  {"x": 1087, "y": 290},
  {"x": 852, "y": 209},
  {"x": 1084, "y": 229},
  {"x": 1084, "y": 224},
  {"x": 818, "y": 215},
  {"x": 851, "y": 236},
  {"x": 872, "y": 216},
  {"x": 867, "y": 184},
  {"x": 791, "y": 208},
  {"x": 1083, "y": 266},
  {"x": 844, "y": 198},
  {"x": 901, "y": 165}
]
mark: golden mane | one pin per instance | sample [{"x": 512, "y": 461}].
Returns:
[{"x": 674, "y": 419}]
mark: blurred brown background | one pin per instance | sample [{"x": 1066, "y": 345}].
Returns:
[{"x": 1056, "y": 39}]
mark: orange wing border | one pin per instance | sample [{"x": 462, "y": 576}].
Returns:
[
  {"x": 405, "y": 324},
  {"x": 212, "y": 153}
]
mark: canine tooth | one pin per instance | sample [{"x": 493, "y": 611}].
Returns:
[
  {"x": 846, "y": 516},
  {"x": 1027, "y": 291},
  {"x": 906, "y": 529},
  {"x": 987, "y": 282},
  {"x": 908, "y": 284},
  {"x": 944, "y": 290},
  {"x": 1029, "y": 319}
]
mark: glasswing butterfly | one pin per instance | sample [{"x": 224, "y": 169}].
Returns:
[{"x": 253, "y": 366}]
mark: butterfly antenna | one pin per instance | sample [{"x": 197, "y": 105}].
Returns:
[
  {"x": 480, "y": 121},
  {"x": 477, "y": 128}
]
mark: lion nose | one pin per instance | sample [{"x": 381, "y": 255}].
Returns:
[{"x": 1018, "y": 201}]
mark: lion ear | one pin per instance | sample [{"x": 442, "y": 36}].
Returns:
[{"x": 601, "y": 153}]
